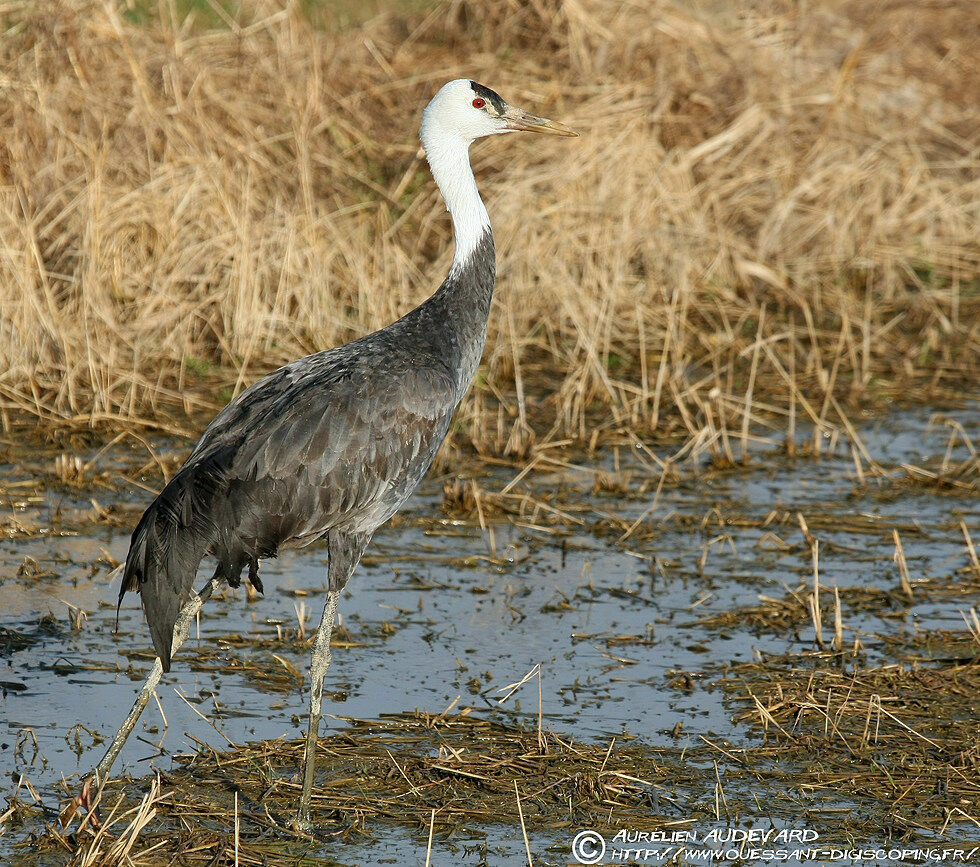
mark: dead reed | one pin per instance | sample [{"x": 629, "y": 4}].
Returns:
[
  {"x": 770, "y": 217},
  {"x": 868, "y": 733},
  {"x": 799, "y": 608},
  {"x": 448, "y": 774},
  {"x": 905, "y": 732}
]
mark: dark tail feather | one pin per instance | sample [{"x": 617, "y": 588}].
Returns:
[{"x": 167, "y": 546}]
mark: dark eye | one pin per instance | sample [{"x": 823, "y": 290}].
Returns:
[{"x": 479, "y": 103}]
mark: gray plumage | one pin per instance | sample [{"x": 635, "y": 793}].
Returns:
[
  {"x": 330, "y": 446},
  {"x": 327, "y": 447}
]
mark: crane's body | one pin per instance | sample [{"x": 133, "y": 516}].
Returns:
[{"x": 330, "y": 446}]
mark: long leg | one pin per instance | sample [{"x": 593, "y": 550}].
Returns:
[
  {"x": 318, "y": 668},
  {"x": 181, "y": 630}
]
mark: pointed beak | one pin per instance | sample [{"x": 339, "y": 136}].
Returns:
[{"x": 518, "y": 119}]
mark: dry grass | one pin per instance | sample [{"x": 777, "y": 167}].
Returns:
[
  {"x": 771, "y": 215},
  {"x": 904, "y": 734},
  {"x": 798, "y": 608},
  {"x": 870, "y": 734},
  {"x": 451, "y": 774}
]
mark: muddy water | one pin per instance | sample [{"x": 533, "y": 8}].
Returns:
[{"x": 433, "y": 617}]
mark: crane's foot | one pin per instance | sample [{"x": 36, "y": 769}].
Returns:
[
  {"x": 301, "y": 823},
  {"x": 302, "y": 826},
  {"x": 85, "y": 807}
]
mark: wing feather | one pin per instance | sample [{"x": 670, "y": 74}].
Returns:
[{"x": 316, "y": 445}]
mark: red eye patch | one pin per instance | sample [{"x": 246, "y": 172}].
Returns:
[{"x": 479, "y": 103}]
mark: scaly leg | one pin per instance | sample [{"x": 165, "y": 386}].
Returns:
[
  {"x": 318, "y": 668},
  {"x": 181, "y": 630}
]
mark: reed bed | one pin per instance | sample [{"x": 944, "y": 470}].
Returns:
[
  {"x": 447, "y": 774},
  {"x": 798, "y": 607},
  {"x": 904, "y": 734},
  {"x": 770, "y": 218},
  {"x": 899, "y": 741}
]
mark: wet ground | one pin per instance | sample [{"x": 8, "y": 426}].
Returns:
[{"x": 637, "y": 598}]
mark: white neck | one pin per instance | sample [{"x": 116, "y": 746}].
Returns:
[{"x": 449, "y": 160}]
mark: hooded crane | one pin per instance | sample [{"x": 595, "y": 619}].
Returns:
[{"x": 328, "y": 447}]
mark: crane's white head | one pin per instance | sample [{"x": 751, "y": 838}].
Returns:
[{"x": 463, "y": 110}]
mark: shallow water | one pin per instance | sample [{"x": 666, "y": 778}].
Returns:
[{"x": 434, "y": 620}]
